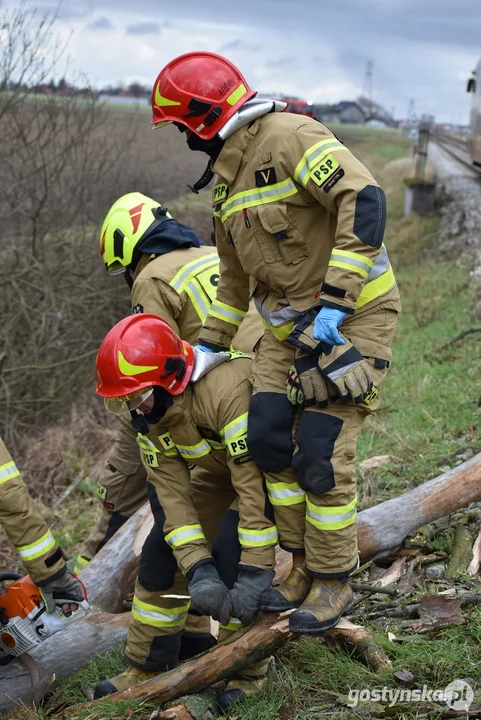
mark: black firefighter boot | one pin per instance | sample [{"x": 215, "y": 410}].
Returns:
[
  {"x": 292, "y": 592},
  {"x": 328, "y": 600}
]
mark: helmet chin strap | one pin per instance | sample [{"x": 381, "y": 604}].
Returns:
[
  {"x": 249, "y": 112},
  {"x": 204, "y": 179}
]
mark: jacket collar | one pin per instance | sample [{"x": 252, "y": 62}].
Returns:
[{"x": 231, "y": 156}]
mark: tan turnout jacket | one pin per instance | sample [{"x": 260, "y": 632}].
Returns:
[
  {"x": 299, "y": 222},
  {"x": 23, "y": 524},
  {"x": 207, "y": 426}
]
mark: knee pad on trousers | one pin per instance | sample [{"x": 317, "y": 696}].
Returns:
[
  {"x": 157, "y": 563},
  {"x": 226, "y": 549},
  {"x": 116, "y": 521},
  {"x": 312, "y": 464},
  {"x": 269, "y": 432},
  {"x": 163, "y": 653},
  {"x": 156, "y": 507},
  {"x": 193, "y": 644}
]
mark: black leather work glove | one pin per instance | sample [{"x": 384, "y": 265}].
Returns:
[
  {"x": 243, "y": 600},
  {"x": 207, "y": 591},
  {"x": 347, "y": 370}
]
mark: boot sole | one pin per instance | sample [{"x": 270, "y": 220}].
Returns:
[
  {"x": 272, "y": 607},
  {"x": 320, "y": 628}
]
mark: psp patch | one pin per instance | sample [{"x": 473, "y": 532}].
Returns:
[
  {"x": 323, "y": 171},
  {"x": 101, "y": 491},
  {"x": 238, "y": 446},
  {"x": 266, "y": 177},
  {"x": 219, "y": 193},
  {"x": 138, "y": 309}
]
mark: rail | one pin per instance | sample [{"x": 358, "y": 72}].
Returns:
[{"x": 457, "y": 147}]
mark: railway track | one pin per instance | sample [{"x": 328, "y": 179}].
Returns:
[{"x": 456, "y": 147}]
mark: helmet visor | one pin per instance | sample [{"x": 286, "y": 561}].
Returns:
[
  {"x": 127, "y": 403},
  {"x": 115, "y": 268},
  {"x": 161, "y": 123}
]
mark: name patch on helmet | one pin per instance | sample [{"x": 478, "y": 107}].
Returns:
[
  {"x": 323, "y": 171},
  {"x": 219, "y": 193}
]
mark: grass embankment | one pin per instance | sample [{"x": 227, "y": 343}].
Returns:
[{"x": 428, "y": 421}]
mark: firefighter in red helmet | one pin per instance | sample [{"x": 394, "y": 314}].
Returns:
[
  {"x": 299, "y": 224},
  {"x": 191, "y": 410}
]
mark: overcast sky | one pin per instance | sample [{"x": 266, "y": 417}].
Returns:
[{"x": 420, "y": 49}]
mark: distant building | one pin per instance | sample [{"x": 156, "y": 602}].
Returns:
[{"x": 346, "y": 111}]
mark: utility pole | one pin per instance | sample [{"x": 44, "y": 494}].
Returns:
[
  {"x": 411, "y": 114},
  {"x": 367, "y": 90}
]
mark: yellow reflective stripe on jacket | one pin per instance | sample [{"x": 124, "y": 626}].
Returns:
[
  {"x": 215, "y": 445},
  {"x": 8, "y": 471},
  {"x": 351, "y": 261},
  {"x": 191, "y": 452},
  {"x": 257, "y": 538},
  {"x": 313, "y": 156},
  {"x": 258, "y": 196},
  {"x": 80, "y": 563},
  {"x": 233, "y": 625},
  {"x": 374, "y": 288},
  {"x": 184, "y": 535},
  {"x": 190, "y": 270},
  {"x": 283, "y": 494},
  {"x": 279, "y": 322},
  {"x": 198, "y": 298},
  {"x": 159, "y": 617},
  {"x": 227, "y": 313},
  {"x": 238, "y": 426},
  {"x": 331, "y": 518},
  {"x": 37, "y": 548}
]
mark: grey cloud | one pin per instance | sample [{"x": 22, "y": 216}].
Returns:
[
  {"x": 238, "y": 45},
  {"x": 143, "y": 29},
  {"x": 284, "y": 61},
  {"x": 101, "y": 23}
]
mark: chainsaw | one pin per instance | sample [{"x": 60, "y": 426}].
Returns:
[{"x": 24, "y": 620}]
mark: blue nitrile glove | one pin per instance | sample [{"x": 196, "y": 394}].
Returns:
[
  {"x": 325, "y": 326},
  {"x": 204, "y": 348}
]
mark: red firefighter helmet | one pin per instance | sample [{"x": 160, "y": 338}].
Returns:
[
  {"x": 200, "y": 90},
  {"x": 139, "y": 352}
]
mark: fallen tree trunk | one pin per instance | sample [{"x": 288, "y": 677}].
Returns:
[
  {"x": 384, "y": 526},
  {"x": 229, "y": 658},
  {"x": 380, "y": 528}
]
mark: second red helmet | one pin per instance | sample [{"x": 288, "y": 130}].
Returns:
[
  {"x": 200, "y": 90},
  {"x": 142, "y": 351}
]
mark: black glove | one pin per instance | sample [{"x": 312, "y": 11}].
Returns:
[
  {"x": 64, "y": 587},
  {"x": 243, "y": 600},
  {"x": 207, "y": 591}
]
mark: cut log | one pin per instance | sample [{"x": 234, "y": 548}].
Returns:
[
  {"x": 383, "y": 527},
  {"x": 28, "y": 677},
  {"x": 111, "y": 573},
  {"x": 229, "y": 658}
]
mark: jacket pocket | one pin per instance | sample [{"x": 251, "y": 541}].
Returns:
[{"x": 280, "y": 232}]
